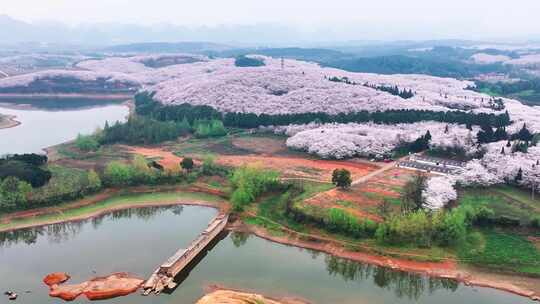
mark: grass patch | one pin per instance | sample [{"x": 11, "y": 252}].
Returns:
[
  {"x": 501, "y": 251},
  {"x": 504, "y": 201},
  {"x": 110, "y": 203},
  {"x": 312, "y": 188},
  {"x": 204, "y": 146},
  {"x": 346, "y": 204},
  {"x": 274, "y": 229}
]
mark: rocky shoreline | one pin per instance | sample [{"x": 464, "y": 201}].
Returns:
[
  {"x": 100, "y": 288},
  {"x": 228, "y": 296}
]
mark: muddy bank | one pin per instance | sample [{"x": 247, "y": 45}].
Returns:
[
  {"x": 519, "y": 285},
  {"x": 100, "y": 288},
  {"x": 8, "y": 121},
  {"x": 109, "y": 193},
  {"x": 227, "y": 296}
]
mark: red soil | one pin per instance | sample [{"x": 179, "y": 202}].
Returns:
[
  {"x": 288, "y": 166},
  {"x": 166, "y": 159},
  {"x": 293, "y": 166},
  {"x": 363, "y": 198}
]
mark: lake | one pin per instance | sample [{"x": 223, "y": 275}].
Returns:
[
  {"x": 50, "y": 123},
  {"x": 138, "y": 240}
]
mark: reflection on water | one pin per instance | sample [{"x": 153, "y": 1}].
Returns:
[
  {"x": 403, "y": 284},
  {"x": 137, "y": 240},
  {"x": 239, "y": 238},
  {"x": 61, "y": 232}
]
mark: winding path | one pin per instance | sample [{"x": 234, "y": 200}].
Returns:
[{"x": 369, "y": 176}]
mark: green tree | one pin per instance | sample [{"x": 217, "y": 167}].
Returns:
[
  {"x": 519, "y": 176},
  {"x": 411, "y": 195},
  {"x": 13, "y": 192},
  {"x": 248, "y": 183},
  {"x": 118, "y": 174},
  {"x": 187, "y": 163},
  {"x": 341, "y": 178},
  {"x": 86, "y": 143},
  {"x": 524, "y": 134},
  {"x": 142, "y": 172},
  {"x": 94, "y": 182}
]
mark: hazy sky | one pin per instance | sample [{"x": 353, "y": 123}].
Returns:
[{"x": 350, "y": 18}]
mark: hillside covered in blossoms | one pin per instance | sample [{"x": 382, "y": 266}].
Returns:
[{"x": 279, "y": 88}]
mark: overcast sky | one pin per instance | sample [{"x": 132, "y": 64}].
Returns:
[{"x": 353, "y": 19}]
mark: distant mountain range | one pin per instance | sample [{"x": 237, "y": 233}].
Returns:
[{"x": 14, "y": 31}]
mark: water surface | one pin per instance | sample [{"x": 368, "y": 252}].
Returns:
[
  {"x": 44, "y": 127},
  {"x": 138, "y": 240}
]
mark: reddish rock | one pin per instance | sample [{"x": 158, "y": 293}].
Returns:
[
  {"x": 56, "y": 278},
  {"x": 101, "y": 288}
]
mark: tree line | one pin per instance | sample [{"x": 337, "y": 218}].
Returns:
[
  {"x": 393, "y": 90},
  {"x": 25, "y": 167},
  {"x": 147, "y": 106}
]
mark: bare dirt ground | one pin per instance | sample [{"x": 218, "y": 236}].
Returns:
[
  {"x": 363, "y": 197},
  {"x": 296, "y": 167},
  {"x": 290, "y": 167},
  {"x": 165, "y": 158},
  {"x": 260, "y": 145}
]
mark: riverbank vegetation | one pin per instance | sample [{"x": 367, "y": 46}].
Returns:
[
  {"x": 466, "y": 232},
  {"x": 95, "y": 204},
  {"x": 67, "y": 183},
  {"x": 248, "y": 183}
]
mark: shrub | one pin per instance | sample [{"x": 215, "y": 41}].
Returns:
[
  {"x": 450, "y": 227},
  {"x": 94, "y": 182},
  {"x": 13, "y": 193},
  {"x": 420, "y": 228},
  {"x": 118, "y": 174},
  {"x": 86, "y": 143},
  {"x": 484, "y": 216},
  {"x": 248, "y": 183},
  {"x": 212, "y": 128},
  {"x": 535, "y": 222},
  {"x": 341, "y": 221}
]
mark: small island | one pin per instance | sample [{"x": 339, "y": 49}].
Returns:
[{"x": 8, "y": 121}]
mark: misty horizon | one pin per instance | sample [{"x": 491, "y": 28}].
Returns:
[{"x": 280, "y": 22}]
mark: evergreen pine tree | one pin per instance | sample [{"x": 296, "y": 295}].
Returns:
[{"x": 519, "y": 176}]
